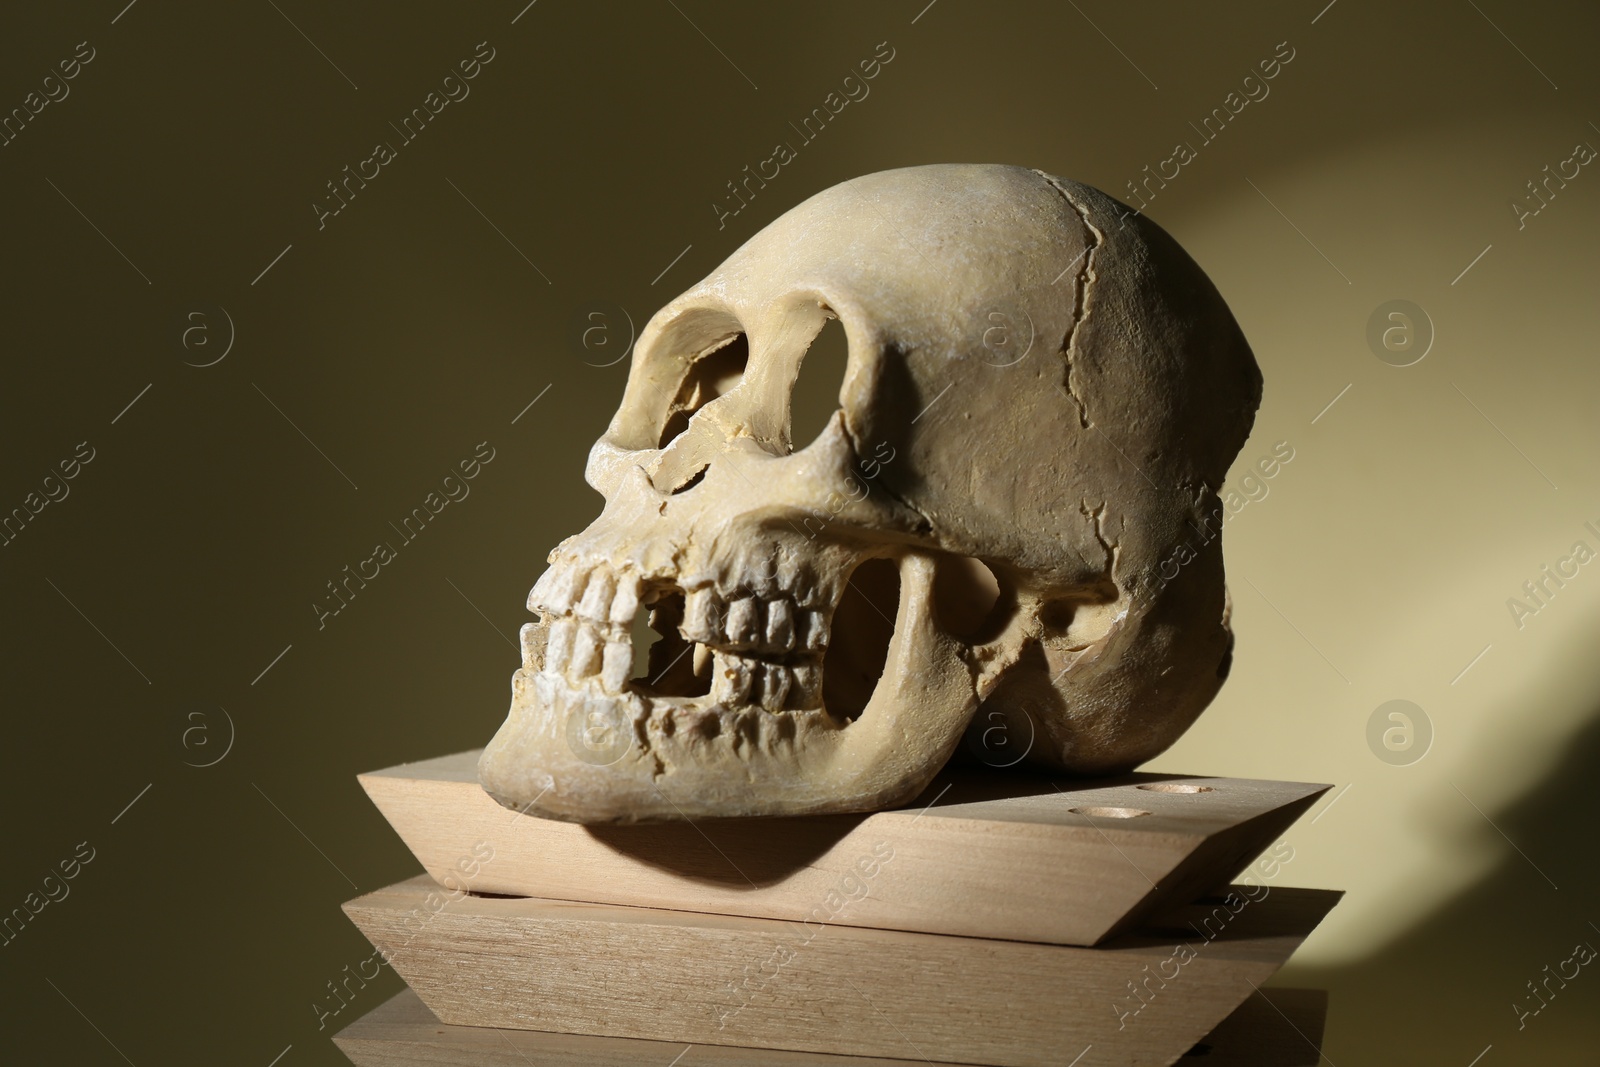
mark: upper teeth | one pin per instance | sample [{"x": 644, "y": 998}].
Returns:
[
  {"x": 591, "y": 609},
  {"x": 747, "y": 623}
]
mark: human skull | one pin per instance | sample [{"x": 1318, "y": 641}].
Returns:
[{"x": 1009, "y": 524}]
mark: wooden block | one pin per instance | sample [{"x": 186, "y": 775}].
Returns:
[
  {"x": 599, "y": 969},
  {"x": 1283, "y": 1031},
  {"x": 982, "y": 854}
]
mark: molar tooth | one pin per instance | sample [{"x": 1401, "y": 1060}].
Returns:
[
  {"x": 585, "y": 652},
  {"x": 700, "y": 615},
  {"x": 764, "y": 580},
  {"x": 559, "y": 650},
  {"x": 775, "y": 685},
  {"x": 805, "y": 685},
  {"x": 814, "y": 631},
  {"x": 780, "y": 625},
  {"x": 730, "y": 679},
  {"x": 744, "y": 621},
  {"x": 597, "y": 596},
  {"x": 626, "y": 603},
  {"x": 617, "y": 665},
  {"x": 799, "y": 581}
]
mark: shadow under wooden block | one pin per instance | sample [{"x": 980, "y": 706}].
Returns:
[
  {"x": 1274, "y": 1028},
  {"x": 604, "y": 970},
  {"x": 982, "y": 854}
]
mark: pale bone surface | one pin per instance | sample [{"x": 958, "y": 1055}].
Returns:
[{"x": 1037, "y": 379}]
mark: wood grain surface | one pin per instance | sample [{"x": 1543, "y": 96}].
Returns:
[
  {"x": 529, "y": 963},
  {"x": 1273, "y": 1028},
  {"x": 984, "y": 853}
]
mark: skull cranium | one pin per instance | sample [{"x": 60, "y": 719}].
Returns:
[{"x": 1042, "y": 397}]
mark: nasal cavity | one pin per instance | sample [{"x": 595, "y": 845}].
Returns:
[
  {"x": 815, "y": 396},
  {"x": 715, "y": 372},
  {"x": 858, "y": 645}
]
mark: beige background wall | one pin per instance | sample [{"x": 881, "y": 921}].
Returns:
[{"x": 379, "y": 350}]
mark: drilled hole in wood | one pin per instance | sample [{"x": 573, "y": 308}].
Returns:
[
  {"x": 1177, "y": 787},
  {"x": 1109, "y": 813}
]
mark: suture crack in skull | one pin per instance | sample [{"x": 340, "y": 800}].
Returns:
[{"x": 1011, "y": 522}]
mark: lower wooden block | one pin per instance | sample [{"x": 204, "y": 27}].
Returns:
[
  {"x": 1273, "y": 1028},
  {"x": 528, "y": 963}
]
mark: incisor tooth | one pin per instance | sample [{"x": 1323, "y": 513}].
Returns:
[
  {"x": 528, "y": 636},
  {"x": 744, "y": 621},
  {"x": 618, "y": 663},
  {"x": 559, "y": 651},
  {"x": 597, "y": 596},
  {"x": 625, "y": 605},
  {"x": 585, "y": 652},
  {"x": 563, "y": 589},
  {"x": 780, "y": 625},
  {"x": 702, "y": 659}
]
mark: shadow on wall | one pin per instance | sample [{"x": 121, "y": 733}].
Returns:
[{"x": 1486, "y": 968}]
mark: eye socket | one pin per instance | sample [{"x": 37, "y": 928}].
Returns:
[
  {"x": 815, "y": 396},
  {"x": 714, "y": 373}
]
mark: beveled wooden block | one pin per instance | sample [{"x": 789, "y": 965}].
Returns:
[
  {"x": 994, "y": 854},
  {"x": 1275, "y": 1028},
  {"x": 700, "y": 979}
]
